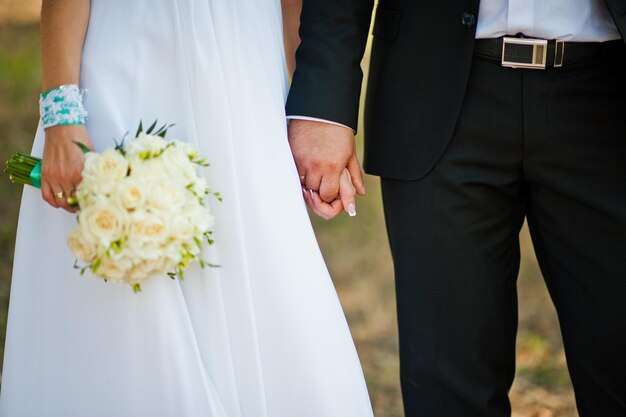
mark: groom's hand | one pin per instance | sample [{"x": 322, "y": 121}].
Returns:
[{"x": 322, "y": 151}]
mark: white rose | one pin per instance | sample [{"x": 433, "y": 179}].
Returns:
[
  {"x": 131, "y": 193},
  {"x": 105, "y": 222},
  {"x": 154, "y": 142},
  {"x": 163, "y": 265},
  {"x": 144, "y": 145},
  {"x": 171, "y": 249},
  {"x": 146, "y": 228},
  {"x": 140, "y": 271},
  {"x": 114, "y": 270},
  {"x": 81, "y": 246},
  {"x": 142, "y": 250},
  {"x": 183, "y": 227},
  {"x": 92, "y": 186},
  {"x": 179, "y": 168},
  {"x": 201, "y": 217},
  {"x": 89, "y": 165},
  {"x": 166, "y": 195},
  {"x": 110, "y": 165},
  {"x": 83, "y": 195},
  {"x": 147, "y": 169}
]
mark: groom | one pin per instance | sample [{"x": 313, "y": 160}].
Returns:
[{"x": 468, "y": 147}]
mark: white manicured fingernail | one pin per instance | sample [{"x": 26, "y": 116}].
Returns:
[{"x": 351, "y": 210}]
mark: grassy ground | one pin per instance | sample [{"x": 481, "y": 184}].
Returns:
[{"x": 355, "y": 249}]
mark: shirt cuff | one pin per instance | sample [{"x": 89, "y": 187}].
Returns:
[{"x": 315, "y": 119}]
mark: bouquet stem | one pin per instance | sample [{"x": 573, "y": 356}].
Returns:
[{"x": 24, "y": 169}]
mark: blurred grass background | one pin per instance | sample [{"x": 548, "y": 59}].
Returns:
[{"x": 355, "y": 249}]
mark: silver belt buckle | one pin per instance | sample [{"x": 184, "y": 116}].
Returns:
[{"x": 524, "y": 53}]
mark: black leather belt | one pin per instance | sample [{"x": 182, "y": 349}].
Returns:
[{"x": 540, "y": 53}]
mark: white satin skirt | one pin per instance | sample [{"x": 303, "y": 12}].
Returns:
[{"x": 263, "y": 335}]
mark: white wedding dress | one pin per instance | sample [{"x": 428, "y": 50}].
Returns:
[{"x": 262, "y": 336}]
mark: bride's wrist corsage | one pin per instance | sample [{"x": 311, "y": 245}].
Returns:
[{"x": 62, "y": 106}]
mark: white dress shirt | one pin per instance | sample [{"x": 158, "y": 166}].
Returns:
[{"x": 568, "y": 20}]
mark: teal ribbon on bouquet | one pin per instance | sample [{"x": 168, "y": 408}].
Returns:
[
  {"x": 24, "y": 169},
  {"x": 35, "y": 176}
]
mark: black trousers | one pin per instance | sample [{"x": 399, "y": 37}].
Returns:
[{"x": 549, "y": 146}]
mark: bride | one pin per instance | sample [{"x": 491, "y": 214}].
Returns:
[{"x": 262, "y": 336}]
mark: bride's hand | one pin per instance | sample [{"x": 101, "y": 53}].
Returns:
[
  {"x": 62, "y": 164},
  {"x": 345, "y": 202}
]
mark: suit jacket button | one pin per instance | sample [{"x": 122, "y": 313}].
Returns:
[{"x": 468, "y": 19}]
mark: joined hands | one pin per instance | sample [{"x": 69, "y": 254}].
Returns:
[{"x": 325, "y": 155}]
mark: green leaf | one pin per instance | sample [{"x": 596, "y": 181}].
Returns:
[
  {"x": 95, "y": 265},
  {"x": 117, "y": 246},
  {"x": 82, "y": 147},
  {"x": 163, "y": 130},
  {"x": 136, "y": 288},
  {"x": 139, "y": 129},
  {"x": 205, "y": 264},
  {"x": 151, "y": 128}
]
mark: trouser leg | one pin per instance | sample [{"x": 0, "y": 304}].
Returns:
[
  {"x": 576, "y": 174},
  {"x": 454, "y": 238}
]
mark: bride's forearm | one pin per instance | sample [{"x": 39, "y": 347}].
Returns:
[
  {"x": 291, "y": 24},
  {"x": 63, "y": 28}
]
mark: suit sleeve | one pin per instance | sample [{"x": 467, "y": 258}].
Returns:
[{"x": 327, "y": 81}]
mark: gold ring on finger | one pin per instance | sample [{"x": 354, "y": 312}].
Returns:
[{"x": 59, "y": 195}]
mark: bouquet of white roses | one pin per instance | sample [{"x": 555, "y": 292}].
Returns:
[{"x": 142, "y": 209}]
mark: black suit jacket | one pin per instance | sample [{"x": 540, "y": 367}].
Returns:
[{"x": 420, "y": 63}]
